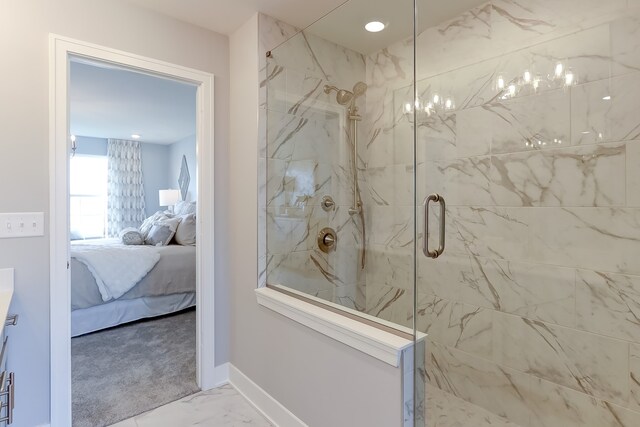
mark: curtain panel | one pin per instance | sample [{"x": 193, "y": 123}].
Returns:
[{"x": 125, "y": 188}]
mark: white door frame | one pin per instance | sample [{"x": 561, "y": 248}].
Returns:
[{"x": 60, "y": 51}]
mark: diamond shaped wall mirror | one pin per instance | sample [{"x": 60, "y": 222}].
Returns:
[{"x": 183, "y": 180}]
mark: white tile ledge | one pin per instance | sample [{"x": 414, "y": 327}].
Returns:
[{"x": 375, "y": 342}]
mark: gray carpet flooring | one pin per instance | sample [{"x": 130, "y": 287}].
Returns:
[{"x": 124, "y": 371}]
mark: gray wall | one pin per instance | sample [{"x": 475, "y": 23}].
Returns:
[
  {"x": 24, "y": 163},
  {"x": 155, "y": 174},
  {"x": 186, "y": 147},
  {"x": 320, "y": 380}
]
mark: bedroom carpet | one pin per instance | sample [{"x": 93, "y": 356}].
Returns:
[{"x": 125, "y": 371}]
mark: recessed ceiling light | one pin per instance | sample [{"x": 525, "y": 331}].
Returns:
[
  {"x": 135, "y": 136},
  {"x": 374, "y": 26},
  {"x": 606, "y": 98}
]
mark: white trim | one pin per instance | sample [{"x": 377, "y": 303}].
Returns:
[
  {"x": 60, "y": 49},
  {"x": 273, "y": 410},
  {"x": 373, "y": 341},
  {"x": 221, "y": 375}
]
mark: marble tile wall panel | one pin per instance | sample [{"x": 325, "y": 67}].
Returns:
[
  {"x": 521, "y": 22},
  {"x": 390, "y": 185},
  {"x": 633, "y": 173},
  {"x": 531, "y": 122},
  {"x": 390, "y": 303},
  {"x": 604, "y": 239},
  {"x": 604, "y": 110},
  {"x": 465, "y": 327},
  {"x": 589, "y": 363},
  {"x": 390, "y": 267},
  {"x": 496, "y": 388},
  {"x": 582, "y": 176},
  {"x": 625, "y": 50},
  {"x": 524, "y": 289},
  {"x": 460, "y": 41},
  {"x": 608, "y": 304},
  {"x": 466, "y": 182},
  {"x": 391, "y": 226},
  {"x": 497, "y": 232},
  {"x": 634, "y": 377},
  {"x": 553, "y": 405}
]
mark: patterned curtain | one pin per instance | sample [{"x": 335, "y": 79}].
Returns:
[{"x": 125, "y": 190}]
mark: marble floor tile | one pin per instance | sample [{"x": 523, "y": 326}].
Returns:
[
  {"x": 447, "y": 410},
  {"x": 220, "y": 407}
]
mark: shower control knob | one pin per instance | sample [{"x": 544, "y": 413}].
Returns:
[
  {"x": 327, "y": 239},
  {"x": 327, "y": 203}
]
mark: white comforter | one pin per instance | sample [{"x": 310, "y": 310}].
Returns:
[{"x": 116, "y": 267}]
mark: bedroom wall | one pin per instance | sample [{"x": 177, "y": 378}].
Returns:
[
  {"x": 187, "y": 147},
  {"x": 155, "y": 174},
  {"x": 91, "y": 146},
  {"x": 320, "y": 380},
  {"x": 24, "y": 170}
]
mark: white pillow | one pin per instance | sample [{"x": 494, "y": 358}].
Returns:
[
  {"x": 186, "y": 232},
  {"x": 131, "y": 236},
  {"x": 162, "y": 232},
  {"x": 184, "y": 208},
  {"x": 148, "y": 223}
]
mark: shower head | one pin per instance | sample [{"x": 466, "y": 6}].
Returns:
[
  {"x": 343, "y": 96},
  {"x": 359, "y": 89}
]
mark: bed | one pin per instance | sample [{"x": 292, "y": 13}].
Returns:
[{"x": 168, "y": 287}]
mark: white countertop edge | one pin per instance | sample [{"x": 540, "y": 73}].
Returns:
[{"x": 382, "y": 345}]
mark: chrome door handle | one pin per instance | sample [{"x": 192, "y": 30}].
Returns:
[{"x": 425, "y": 239}]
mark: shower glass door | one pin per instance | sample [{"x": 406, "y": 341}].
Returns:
[
  {"x": 528, "y": 128},
  {"x": 340, "y": 203},
  {"x": 340, "y": 162}
]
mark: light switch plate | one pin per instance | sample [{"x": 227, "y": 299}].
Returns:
[{"x": 21, "y": 224}]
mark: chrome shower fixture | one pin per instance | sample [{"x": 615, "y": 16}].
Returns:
[
  {"x": 344, "y": 96},
  {"x": 348, "y": 97}
]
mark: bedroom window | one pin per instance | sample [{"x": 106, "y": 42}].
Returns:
[{"x": 88, "y": 196}]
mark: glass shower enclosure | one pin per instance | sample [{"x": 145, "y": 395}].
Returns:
[{"x": 513, "y": 124}]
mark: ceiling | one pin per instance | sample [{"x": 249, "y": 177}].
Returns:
[
  {"x": 111, "y": 102},
  {"x": 225, "y": 16},
  {"x": 345, "y": 26}
]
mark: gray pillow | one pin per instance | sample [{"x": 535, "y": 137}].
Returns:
[
  {"x": 184, "y": 208},
  {"x": 131, "y": 236},
  {"x": 162, "y": 232},
  {"x": 148, "y": 223},
  {"x": 186, "y": 232}
]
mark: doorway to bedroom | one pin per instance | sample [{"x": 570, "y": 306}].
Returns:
[{"x": 133, "y": 241}]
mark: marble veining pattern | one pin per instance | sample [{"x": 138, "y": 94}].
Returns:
[
  {"x": 220, "y": 407},
  {"x": 532, "y": 312}
]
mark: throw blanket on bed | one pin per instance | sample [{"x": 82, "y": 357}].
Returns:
[{"x": 116, "y": 269}]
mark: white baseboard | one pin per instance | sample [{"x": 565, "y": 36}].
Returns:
[
  {"x": 221, "y": 375},
  {"x": 273, "y": 410}
]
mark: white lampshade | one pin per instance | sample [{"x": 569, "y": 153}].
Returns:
[{"x": 169, "y": 197}]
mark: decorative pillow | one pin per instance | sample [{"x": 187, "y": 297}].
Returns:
[
  {"x": 162, "y": 232},
  {"x": 131, "y": 236},
  {"x": 186, "y": 232},
  {"x": 148, "y": 223},
  {"x": 184, "y": 208}
]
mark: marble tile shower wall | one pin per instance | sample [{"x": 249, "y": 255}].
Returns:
[
  {"x": 533, "y": 312},
  {"x": 306, "y": 155}
]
